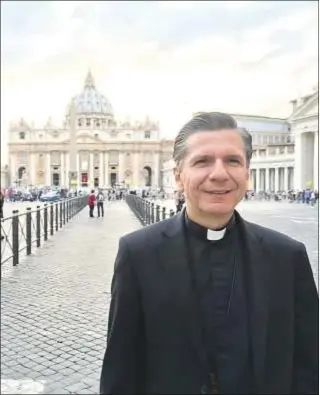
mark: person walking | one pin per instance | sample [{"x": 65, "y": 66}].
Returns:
[
  {"x": 91, "y": 203},
  {"x": 100, "y": 203},
  {"x": 206, "y": 302}
]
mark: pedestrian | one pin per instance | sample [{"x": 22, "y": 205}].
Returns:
[
  {"x": 206, "y": 302},
  {"x": 91, "y": 203},
  {"x": 100, "y": 201}
]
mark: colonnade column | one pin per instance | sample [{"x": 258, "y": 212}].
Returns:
[
  {"x": 316, "y": 161},
  {"x": 267, "y": 179},
  {"x": 121, "y": 167},
  {"x": 285, "y": 183},
  {"x": 156, "y": 169},
  {"x": 276, "y": 182},
  {"x": 136, "y": 169},
  {"x": 258, "y": 180}
]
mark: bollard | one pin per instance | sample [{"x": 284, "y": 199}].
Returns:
[
  {"x": 38, "y": 226},
  {"x": 164, "y": 214},
  {"x": 45, "y": 222},
  {"x": 51, "y": 219},
  {"x": 28, "y": 230},
  {"x": 15, "y": 237},
  {"x": 152, "y": 213},
  {"x": 145, "y": 212},
  {"x": 61, "y": 216},
  {"x": 64, "y": 212},
  {"x": 57, "y": 217},
  {"x": 157, "y": 213}
]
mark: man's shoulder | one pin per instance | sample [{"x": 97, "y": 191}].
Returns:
[
  {"x": 148, "y": 236},
  {"x": 274, "y": 238}
]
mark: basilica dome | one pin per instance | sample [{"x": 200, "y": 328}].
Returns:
[{"x": 90, "y": 102}]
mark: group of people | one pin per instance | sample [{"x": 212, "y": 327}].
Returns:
[{"x": 96, "y": 200}]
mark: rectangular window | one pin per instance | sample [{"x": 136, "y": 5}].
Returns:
[{"x": 147, "y": 134}]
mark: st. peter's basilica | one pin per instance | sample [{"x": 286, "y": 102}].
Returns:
[{"x": 109, "y": 152}]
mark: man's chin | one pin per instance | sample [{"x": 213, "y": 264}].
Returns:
[{"x": 217, "y": 208}]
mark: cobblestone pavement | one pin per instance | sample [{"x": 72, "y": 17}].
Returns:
[{"x": 54, "y": 307}]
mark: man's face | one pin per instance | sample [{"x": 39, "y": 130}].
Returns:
[{"x": 214, "y": 173}]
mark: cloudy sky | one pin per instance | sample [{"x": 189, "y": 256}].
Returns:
[{"x": 165, "y": 59}]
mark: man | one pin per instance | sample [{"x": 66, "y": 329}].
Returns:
[
  {"x": 91, "y": 203},
  {"x": 206, "y": 302},
  {"x": 100, "y": 201}
]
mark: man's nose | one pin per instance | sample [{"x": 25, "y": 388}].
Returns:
[{"x": 218, "y": 171}]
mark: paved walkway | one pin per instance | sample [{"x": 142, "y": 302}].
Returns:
[{"x": 54, "y": 307}]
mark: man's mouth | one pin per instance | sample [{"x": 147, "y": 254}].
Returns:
[{"x": 224, "y": 192}]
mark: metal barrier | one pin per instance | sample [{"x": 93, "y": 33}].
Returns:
[
  {"x": 147, "y": 212},
  {"x": 20, "y": 231}
]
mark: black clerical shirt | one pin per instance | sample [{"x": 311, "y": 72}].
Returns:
[{"x": 217, "y": 273}]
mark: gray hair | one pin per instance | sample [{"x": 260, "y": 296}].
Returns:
[{"x": 209, "y": 122}]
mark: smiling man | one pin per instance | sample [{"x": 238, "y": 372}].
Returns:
[{"x": 206, "y": 302}]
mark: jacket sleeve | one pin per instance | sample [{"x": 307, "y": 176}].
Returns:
[
  {"x": 123, "y": 361},
  {"x": 306, "y": 344}
]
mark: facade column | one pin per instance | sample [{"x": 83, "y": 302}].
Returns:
[
  {"x": 136, "y": 169},
  {"x": 155, "y": 181},
  {"x": 316, "y": 161},
  {"x": 298, "y": 162},
  {"x": 257, "y": 180},
  {"x": 91, "y": 170},
  {"x": 276, "y": 182},
  {"x": 285, "y": 181},
  {"x": 267, "y": 179},
  {"x": 121, "y": 167},
  {"x": 67, "y": 167},
  {"x": 48, "y": 180},
  {"x": 78, "y": 170},
  {"x": 101, "y": 169},
  {"x": 106, "y": 168},
  {"x": 62, "y": 169},
  {"x": 13, "y": 167},
  {"x": 32, "y": 169}
]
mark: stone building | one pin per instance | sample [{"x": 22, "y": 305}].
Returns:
[
  {"x": 305, "y": 127},
  {"x": 109, "y": 151}
]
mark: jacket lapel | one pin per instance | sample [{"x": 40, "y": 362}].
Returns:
[
  {"x": 257, "y": 279},
  {"x": 174, "y": 259}
]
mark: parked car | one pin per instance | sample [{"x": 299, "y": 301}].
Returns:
[
  {"x": 52, "y": 196},
  {"x": 28, "y": 197}
]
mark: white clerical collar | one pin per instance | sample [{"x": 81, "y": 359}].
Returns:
[{"x": 215, "y": 235}]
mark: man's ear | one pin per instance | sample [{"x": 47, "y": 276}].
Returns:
[{"x": 177, "y": 177}]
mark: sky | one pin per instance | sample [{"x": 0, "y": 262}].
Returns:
[{"x": 165, "y": 59}]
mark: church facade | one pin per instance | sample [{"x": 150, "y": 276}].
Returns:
[{"x": 108, "y": 151}]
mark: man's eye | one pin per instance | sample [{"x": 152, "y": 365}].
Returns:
[{"x": 234, "y": 160}]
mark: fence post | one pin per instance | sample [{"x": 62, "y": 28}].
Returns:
[
  {"x": 15, "y": 237},
  {"x": 28, "y": 230},
  {"x": 157, "y": 213},
  {"x": 64, "y": 212},
  {"x": 57, "y": 217},
  {"x": 51, "y": 219},
  {"x": 145, "y": 211},
  {"x": 164, "y": 214},
  {"x": 45, "y": 222},
  {"x": 152, "y": 213},
  {"x": 60, "y": 208},
  {"x": 38, "y": 226}
]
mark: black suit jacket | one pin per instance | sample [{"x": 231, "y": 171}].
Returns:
[{"x": 154, "y": 343}]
